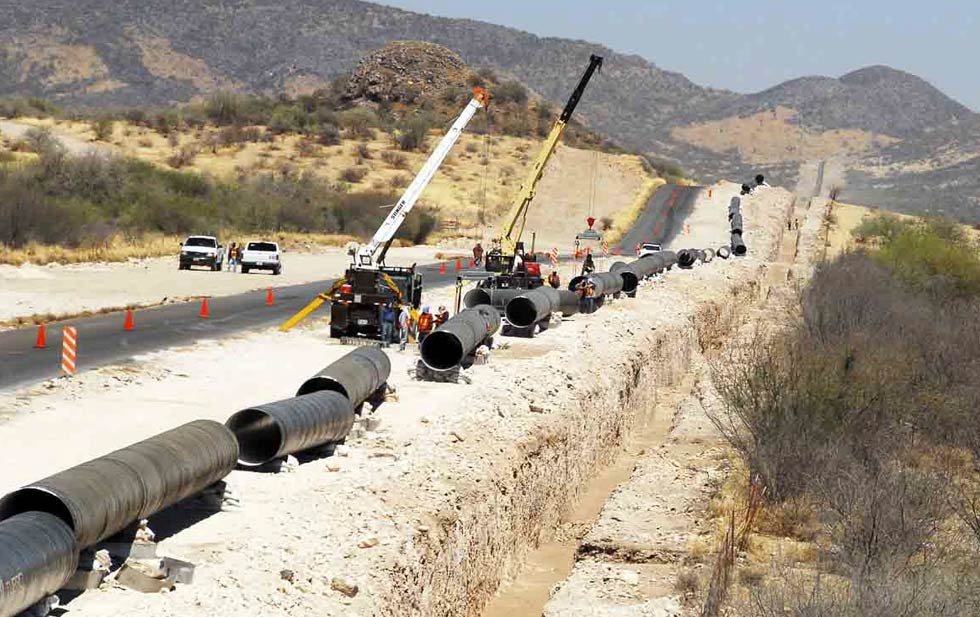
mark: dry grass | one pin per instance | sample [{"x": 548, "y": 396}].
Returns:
[{"x": 120, "y": 249}]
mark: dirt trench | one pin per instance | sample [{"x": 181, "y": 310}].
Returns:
[{"x": 541, "y": 498}]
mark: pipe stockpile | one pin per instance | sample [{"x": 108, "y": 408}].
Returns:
[
  {"x": 532, "y": 306},
  {"x": 274, "y": 430},
  {"x": 449, "y": 344},
  {"x": 37, "y": 557},
  {"x": 493, "y": 297},
  {"x": 357, "y": 375},
  {"x": 103, "y": 496}
]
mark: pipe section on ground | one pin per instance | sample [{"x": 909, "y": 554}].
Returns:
[
  {"x": 737, "y": 224},
  {"x": 449, "y": 344},
  {"x": 493, "y": 297},
  {"x": 724, "y": 252},
  {"x": 670, "y": 258},
  {"x": 103, "y": 496},
  {"x": 606, "y": 283},
  {"x": 734, "y": 206},
  {"x": 274, "y": 430},
  {"x": 686, "y": 258},
  {"x": 738, "y": 245},
  {"x": 569, "y": 302},
  {"x": 533, "y": 306},
  {"x": 37, "y": 557},
  {"x": 357, "y": 375},
  {"x": 709, "y": 255}
]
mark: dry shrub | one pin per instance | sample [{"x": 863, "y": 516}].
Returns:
[
  {"x": 183, "y": 156},
  {"x": 354, "y": 174},
  {"x": 395, "y": 160}
]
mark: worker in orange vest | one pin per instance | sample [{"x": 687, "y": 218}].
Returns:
[{"x": 425, "y": 323}]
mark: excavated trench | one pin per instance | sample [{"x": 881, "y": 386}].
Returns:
[{"x": 496, "y": 551}]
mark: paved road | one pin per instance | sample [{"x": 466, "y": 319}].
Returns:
[
  {"x": 662, "y": 219},
  {"x": 102, "y": 340}
]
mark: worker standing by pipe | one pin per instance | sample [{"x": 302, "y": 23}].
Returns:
[{"x": 404, "y": 323}]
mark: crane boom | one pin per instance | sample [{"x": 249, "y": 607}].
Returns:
[
  {"x": 513, "y": 227},
  {"x": 386, "y": 232}
]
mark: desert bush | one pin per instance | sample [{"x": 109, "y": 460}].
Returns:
[
  {"x": 606, "y": 223},
  {"x": 328, "y": 135},
  {"x": 412, "y": 133},
  {"x": 183, "y": 156},
  {"x": 363, "y": 151},
  {"x": 103, "y": 129},
  {"x": 224, "y": 108},
  {"x": 354, "y": 174},
  {"x": 511, "y": 91},
  {"x": 472, "y": 147},
  {"x": 399, "y": 181},
  {"x": 395, "y": 160},
  {"x": 359, "y": 123},
  {"x": 42, "y": 141}
]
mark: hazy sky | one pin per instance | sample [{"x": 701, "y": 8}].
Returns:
[{"x": 752, "y": 45}]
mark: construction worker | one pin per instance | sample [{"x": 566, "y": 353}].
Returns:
[
  {"x": 232, "y": 261},
  {"x": 588, "y": 267},
  {"x": 589, "y": 296},
  {"x": 404, "y": 325},
  {"x": 518, "y": 262},
  {"x": 477, "y": 255},
  {"x": 442, "y": 316},
  {"x": 387, "y": 325},
  {"x": 425, "y": 323},
  {"x": 554, "y": 280},
  {"x": 413, "y": 325}
]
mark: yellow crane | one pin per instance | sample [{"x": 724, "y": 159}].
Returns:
[{"x": 501, "y": 259}]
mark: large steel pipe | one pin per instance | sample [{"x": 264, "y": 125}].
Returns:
[
  {"x": 274, "y": 430},
  {"x": 669, "y": 257},
  {"x": 101, "y": 497},
  {"x": 738, "y": 245},
  {"x": 724, "y": 252},
  {"x": 569, "y": 302},
  {"x": 449, "y": 344},
  {"x": 493, "y": 297},
  {"x": 532, "y": 306},
  {"x": 734, "y": 207},
  {"x": 736, "y": 224},
  {"x": 357, "y": 375},
  {"x": 606, "y": 283},
  {"x": 37, "y": 557},
  {"x": 686, "y": 257}
]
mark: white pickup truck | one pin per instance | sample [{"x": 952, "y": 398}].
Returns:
[
  {"x": 262, "y": 256},
  {"x": 201, "y": 251}
]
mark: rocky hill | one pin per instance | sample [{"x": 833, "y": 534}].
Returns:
[{"x": 896, "y": 130}]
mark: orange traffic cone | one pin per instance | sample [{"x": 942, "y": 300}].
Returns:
[
  {"x": 442, "y": 268},
  {"x": 205, "y": 312},
  {"x": 269, "y": 299},
  {"x": 459, "y": 264},
  {"x": 471, "y": 262},
  {"x": 42, "y": 339},
  {"x": 128, "y": 326}
]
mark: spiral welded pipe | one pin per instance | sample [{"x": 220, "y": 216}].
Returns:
[
  {"x": 274, "y": 430},
  {"x": 447, "y": 346},
  {"x": 530, "y": 307},
  {"x": 37, "y": 556},
  {"x": 357, "y": 375},
  {"x": 493, "y": 297},
  {"x": 103, "y": 496}
]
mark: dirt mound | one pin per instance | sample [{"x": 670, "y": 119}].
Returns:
[{"x": 407, "y": 72}]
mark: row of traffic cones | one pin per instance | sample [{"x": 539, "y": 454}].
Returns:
[
  {"x": 459, "y": 265},
  {"x": 130, "y": 324}
]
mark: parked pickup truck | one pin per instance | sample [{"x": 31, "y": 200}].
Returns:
[
  {"x": 201, "y": 251},
  {"x": 262, "y": 256}
]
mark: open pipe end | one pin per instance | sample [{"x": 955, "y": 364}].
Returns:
[
  {"x": 521, "y": 312},
  {"x": 739, "y": 249},
  {"x": 321, "y": 383},
  {"x": 630, "y": 281},
  {"x": 476, "y": 297},
  {"x": 575, "y": 282},
  {"x": 35, "y": 499},
  {"x": 442, "y": 351},
  {"x": 259, "y": 436}
]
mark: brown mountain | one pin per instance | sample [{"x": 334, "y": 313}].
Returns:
[{"x": 912, "y": 145}]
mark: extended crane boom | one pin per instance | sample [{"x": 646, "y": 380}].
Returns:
[
  {"x": 513, "y": 226},
  {"x": 386, "y": 233}
]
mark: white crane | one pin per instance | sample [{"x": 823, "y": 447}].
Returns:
[{"x": 366, "y": 253}]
